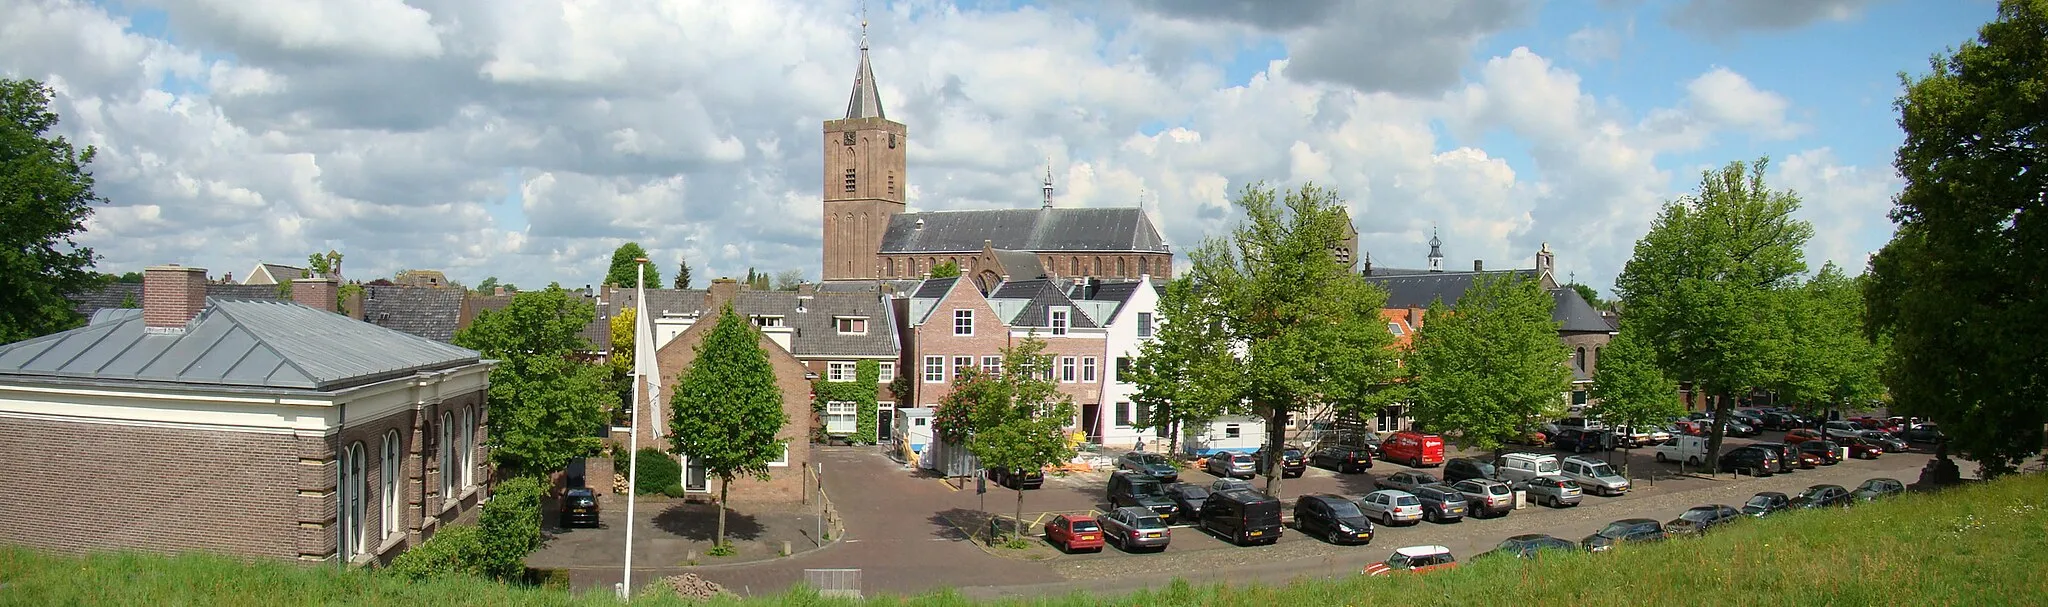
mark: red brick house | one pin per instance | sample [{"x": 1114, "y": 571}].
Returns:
[
  {"x": 950, "y": 325},
  {"x": 244, "y": 427}
]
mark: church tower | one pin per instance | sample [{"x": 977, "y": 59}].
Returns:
[{"x": 864, "y": 178}]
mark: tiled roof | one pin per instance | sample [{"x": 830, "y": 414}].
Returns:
[
  {"x": 433, "y": 313},
  {"x": 114, "y": 295},
  {"x": 1116, "y": 292},
  {"x": 1020, "y": 265},
  {"x": 812, "y": 316},
  {"x": 1036, "y": 296},
  {"x": 894, "y": 286},
  {"x": 1418, "y": 290},
  {"x": 1574, "y": 314},
  {"x": 1037, "y": 230},
  {"x": 284, "y": 273},
  {"x": 242, "y": 343}
]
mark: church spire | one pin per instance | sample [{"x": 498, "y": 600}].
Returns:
[
  {"x": 1436, "y": 252},
  {"x": 866, "y": 101},
  {"x": 1048, "y": 184}
]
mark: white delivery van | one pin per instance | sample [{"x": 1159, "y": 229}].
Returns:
[
  {"x": 1520, "y": 467},
  {"x": 1684, "y": 448}
]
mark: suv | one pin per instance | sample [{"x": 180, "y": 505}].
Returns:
[
  {"x": 1132, "y": 528},
  {"x": 1138, "y": 489},
  {"x": 1628, "y": 530},
  {"x": 1464, "y": 468},
  {"x": 1522, "y": 467},
  {"x": 579, "y": 508},
  {"x": 1554, "y": 491},
  {"x": 1593, "y": 475},
  {"x": 1578, "y": 440},
  {"x": 1699, "y": 519},
  {"x": 1755, "y": 461},
  {"x": 1230, "y": 464},
  {"x": 1405, "y": 480},
  {"x": 1345, "y": 460},
  {"x": 1488, "y": 497},
  {"x": 1292, "y": 462},
  {"x": 1150, "y": 463},
  {"x": 1788, "y": 456},
  {"x": 1334, "y": 518},
  {"x": 1391, "y": 506},
  {"x": 1242, "y": 517},
  {"x": 1440, "y": 504}
]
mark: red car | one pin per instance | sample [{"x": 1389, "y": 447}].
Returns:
[
  {"x": 1071, "y": 532},
  {"x": 1690, "y": 428},
  {"x": 1416, "y": 559},
  {"x": 1802, "y": 435},
  {"x": 1861, "y": 449},
  {"x": 1809, "y": 461}
]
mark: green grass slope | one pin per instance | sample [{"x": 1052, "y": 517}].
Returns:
[{"x": 1982, "y": 545}]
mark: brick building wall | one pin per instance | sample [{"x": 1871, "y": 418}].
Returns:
[
  {"x": 1085, "y": 393},
  {"x": 1060, "y": 265},
  {"x": 785, "y": 483},
  {"x": 935, "y": 338}
]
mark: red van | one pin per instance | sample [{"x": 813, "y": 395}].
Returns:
[{"x": 1416, "y": 449}]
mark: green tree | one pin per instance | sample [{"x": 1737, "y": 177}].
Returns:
[
  {"x": 1705, "y": 284},
  {"x": 490, "y": 285},
  {"x": 45, "y": 197},
  {"x": 547, "y": 404},
  {"x": 1486, "y": 372},
  {"x": 860, "y": 391},
  {"x": 945, "y": 270},
  {"x": 324, "y": 265},
  {"x": 682, "y": 274},
  {"x": 728, "y": 408},
  {"x": 1958, "y": 290},
  {"x": 1012, "y": 420},
  {"x": 1828, "y": 362},
  {"x": 1590, "y": 294},
  {"x": 1630, "y": 389},
  {"x": 624, "y": 272},
  {"x": 1305, "y": 331},
  {"x": 620, "y": 358},
  {"x": 133, "y": 278},
  {"x": 787, "y": 280},
  {"x": 1186, "y": 374}
]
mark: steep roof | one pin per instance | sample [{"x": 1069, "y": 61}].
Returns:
[
  {"x": 1025, "y": 303},
  {"x": 284, "y": 273},
  {"x": 1574, "y": 314},
  {"x": 430, "y": 312},
  {"x": 866, "y": 101},
  {"x": 926, "y": 297},
  {"x": 1113, "y": 293},
  {"x": 1020, "y": 265},
  {"x": 1418, "y": 290},
  {"x": 236, "y": 343},
  {"x": 1120, "y": 229},
  {"x": 814, "y": 317}
]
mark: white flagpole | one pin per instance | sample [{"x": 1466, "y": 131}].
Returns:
[{"x": 633, "y": 440}]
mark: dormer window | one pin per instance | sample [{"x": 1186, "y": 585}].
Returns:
[
  {"x": 764, "y": 321},
  {"x": 1057, "y": 317},
  {"x": 851, "y": 325}
]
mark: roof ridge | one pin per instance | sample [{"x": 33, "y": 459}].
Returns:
[{"x": 258, "y": 338}]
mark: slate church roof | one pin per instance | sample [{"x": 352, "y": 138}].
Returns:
[
  {"x": 1570, "y": 310},
  {"x": 1026, "y": 303},
  {"x": 1062, "y": 229}
]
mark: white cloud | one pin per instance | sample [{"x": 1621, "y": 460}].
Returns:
[
  {"x": 1590, "y": 44},
  {"x": 1726, "y": 98},
  {"x": 1846, "y": 205}
]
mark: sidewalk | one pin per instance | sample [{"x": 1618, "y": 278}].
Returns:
[{"x": 668, "y": 533}]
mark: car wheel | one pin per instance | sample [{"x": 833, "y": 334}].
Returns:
[
  {"x": 1430, "y": 515},
  {"x": 1660, "y": 457},
  {"x": 1692, "y": 461}
]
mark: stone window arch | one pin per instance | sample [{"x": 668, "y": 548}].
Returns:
[{"x": 1120, "y": 267}]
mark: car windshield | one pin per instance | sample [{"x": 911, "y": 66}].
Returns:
[
  {"x": 1342, "y": 509},
  {"x": 1240, "y": 458},
  {"x": 1698, "y": 515},
  {"x": 1617, "y": 528},
  {"x": 1567, "y": 483},
  {"x": 1423, "y": 478},
  {"x": 1146, "y": 489},
  {"x": 1599, "y": 469},
  {"x": 1489, "y": 489},
  {"x": 1194, "y": 493},
  {"x": 1291, "y": 453},
  {"x": 1546, "y": 467},
  {"x": 1086, "y": 526},
  {"x": 1761, "y": 501},
  {"x": 1814, "y": 492},
  {"x": 1407, "y": 500},
  {"x": 1151, "y": 459}
]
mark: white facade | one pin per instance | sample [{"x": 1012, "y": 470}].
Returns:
[{"x": 1122, "y": 345}]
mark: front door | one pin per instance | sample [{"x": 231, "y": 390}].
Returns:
[
  {"x": 1091, "y": 421},
  {"x": 693, "y": 475},
  {"x": 885, "y": 421}
]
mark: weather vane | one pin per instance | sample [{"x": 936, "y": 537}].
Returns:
[{"x": 863, "y": 24}]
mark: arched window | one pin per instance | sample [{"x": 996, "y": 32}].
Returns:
[
  {"x": 1596, "y": 358},
  {"x": 447, "y": 455},
  {"x": 1074, "y": 266},
  {"x": 387, "y": 484},
  {"x": 468, "y": 447},
  {"x": 1141, "y": 264},
  {"x": 1098, "y": 266},
  {"x": 1582, "y": 358},
  {"x": 348, "y": 493},
  {"x": 1120, "y": 267}
]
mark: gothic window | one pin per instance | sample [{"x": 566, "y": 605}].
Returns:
[
  {"x": 1582, "y": 359},
  {"x": 849, "y": 180},
  {"x": 1098, "y": 267},
  {"x": 387, "y": 484},
  {"x": 1120, "y": 266},
  {"x": 1141, "y": 264},
  {"x": 350, "y": 501},
  {"x": 1074, "y": 266}
]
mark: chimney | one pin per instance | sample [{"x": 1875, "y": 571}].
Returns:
[
  {"x": 806, "y": 289},
  {"x": 1478, "y": 265},
  {"x": 227, "y": 278},
  {"x": 498, "y": 291},
  {"x": 315, "y": 293},
  {"x": 172, "y": 295},
  {"x": 720, "y": 292}
]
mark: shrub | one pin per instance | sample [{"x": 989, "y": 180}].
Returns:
[
  {"x": 657, "y": 471},
  {"x": 509, "y": 528},
  {"x": 673, "y": 490},
  {"x": 455, "y": 550}
]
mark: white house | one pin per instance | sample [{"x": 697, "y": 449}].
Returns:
[{"x": 1129, "y": 312}]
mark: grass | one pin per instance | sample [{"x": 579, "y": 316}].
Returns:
[{"x": 1982, "y": 545}]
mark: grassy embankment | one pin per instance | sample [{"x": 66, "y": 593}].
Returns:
[{"x": 1985, "y": 545}]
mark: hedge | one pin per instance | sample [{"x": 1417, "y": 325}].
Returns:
[
  {"x": 657, "y": 471},
  {"x": 861, "y": 392}
]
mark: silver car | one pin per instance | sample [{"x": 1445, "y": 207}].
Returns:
[
  {"x": 1554, "y": 491},
  {"x": 1487, "y": 497},
  {"x": 1593, "y": 475},
  {"x": 1389, "y": 506},
  {"x": 1133, "y": 528},
  {"x": 1231, "y": 464}
]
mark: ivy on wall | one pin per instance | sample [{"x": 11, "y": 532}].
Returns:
[{"x": 860, "y": 392}]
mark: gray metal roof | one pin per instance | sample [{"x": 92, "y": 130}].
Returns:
[
  {"x": 1118, "y": 229},
  {"x": 1418, "y": 290},
  {"x": 1574, "y": 314},
  {"x": 1037, "y": 298},
  {"x": 814, "y": 317},
  {"x": 243, "y": 343},
  {"x": 104, "y": 315},
  {"x": 1020, "y": 265},
  {"x": 430, "y": 312},
  {"x": 866, "y": 101}
]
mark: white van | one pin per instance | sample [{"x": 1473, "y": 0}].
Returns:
[
  {"x": 1683, "y": 448},
  {"x": 1520, "y": 467}
]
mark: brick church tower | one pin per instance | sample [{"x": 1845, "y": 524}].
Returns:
[{"x": 864, "y": 178}]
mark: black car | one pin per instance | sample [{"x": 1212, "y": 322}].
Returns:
[
  {"x": 1877, "y": 489},
  {"x": 1465, "y": 468},
  {"x": 1441, "y": 504},
  {"x": 1335, "y": 519},
  {"x": 1923, "y": 433},
  {"x": 1187, "y": 500},
  {"x": 1243, "y": 517},
  {"x": 1577, "y": 440},
  {"x": 1788, "y": 456},
  {"x": 1766, "y": 503},
  {"x": 1628, "y": 530},
  {"x": 579, "y": 508},
  {"x": 1781, "y": 420},
  {"x": 1019, "y": 480},
  {"x": 1822, "y": 496},
  {"x": 1698, "y": 519},
  {"x": 1754, "y": 461},
  {"x": 1292, "y": 462},
  {"x": 1128, "y": 488},
  {"x": 1529, "y": 546},
  {"x": 1344, "y": 460}
]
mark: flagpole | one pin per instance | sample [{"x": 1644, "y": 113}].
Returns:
[{"x": 633, "y": 440}]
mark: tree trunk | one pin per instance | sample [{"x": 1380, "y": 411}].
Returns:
[
  {"x": 724, "y": 485},
  {"x": 1019, "y": 519},
  {"x": 1276, "y": 437},
  {"x": 1724, "y": 407},
  {"x": 1173, "y": 438}
]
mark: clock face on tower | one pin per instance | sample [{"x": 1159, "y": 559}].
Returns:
[{"x": 849, "y": 138}]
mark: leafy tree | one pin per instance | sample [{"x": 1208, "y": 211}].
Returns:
[
  {"x": 490, "y": 285},
  {"x": 1487, "y": 371},
  {"x": 1630, "y": 389},
  {"x": 624, "y": 272},
  {"x": 1305, "y": 331},
  {"x": 1590, "y": 294},
  {"x": 344, "y": 293},
  {"x": 728, "y": 407},
  {"x": 547, "y": 404},
  {"x": 45, "y": 197},
  {"x": 128, "y": 301},
  {"x": 1958, "y": 290},
  {"x": 324, "y": 265},
  {"x": 756, "y": 280},
  {"x": 1828, "y": 363},
  {"x": 945, "y": 270},
  {"x": 1705, "y": 284},
  {"x": 1012, "y": 420},
  {"x": 620, "y": 358},
  {"x": 133, "y": 278},
  {"x": 1186, "y": 374},
  {"x": 787, "y": 280},
  {"x": 682, "y": 274}
]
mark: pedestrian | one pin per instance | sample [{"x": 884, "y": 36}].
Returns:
[{"x": 1140, "y": 446}]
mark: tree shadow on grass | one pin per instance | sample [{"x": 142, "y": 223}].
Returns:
[{"x": 699, "y": 522}]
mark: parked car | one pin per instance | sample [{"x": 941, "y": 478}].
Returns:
[
  {"x": 1187, "y": 500},
  {"x": 1860, "y": 448},
  {"x": 1782, "y": 420},
  {"x": 1822, "y": 496},
  {"x": 1414, "y": 559},
  {"x": 1593, "y": 475},
  {"x": 1801, "y": 435},
  {"x": 1292, "y": 461},
  {"x": 1071, "y": 532},
  {"x": 1132, "y": 529},
  {"x": 1827, "y": 450},
  {"x": 1018, "y": 480},
  {"x": 1128, "y": 488},
  {"x": 1739, "y": 428},
  {"x": 1766, "y": 503},
  {"x": 1923, "y": 433},
  {"x": 1416, "y": 449},
  {"x": 1577, "y": 440},
  {"x": 1462, "y": 468},
  {"x": 1890, "y": 443},
  {"x": 1229, "y": 484},
  {"x": 1529, "y": 547},
  {"x": 1629, "y": 530},
  {"x": 1335, "y": 519},
  {"x": 1149, "y": 463},
  {"x": 1242, "y": 517},
  {"x": 1699, "y": 519},
  {"x": 1554, "y": 490},
  {"x": 1487, "y": 497},
  {"x": 1878, "y": 488},
  {"x": 1691, "y": 449},
  {"x": 1788, "y": 456},
  {"x": 1840, "y": 429},
  {"x": 579, "y": 508},
  {"x": 1405, "y": 480},
  {"x": 1231, "y": 464},
  {"x": 1441, "y": 504},
  {"x": 1344, "y": 460},
  {"x": 1391, "y": 506},
  {"x": 1523, "y": 467},
  {"x": 1369, "y": 440},
  {"x": 1754, "y": 461},
  {"x": 1689, "y": 428}
]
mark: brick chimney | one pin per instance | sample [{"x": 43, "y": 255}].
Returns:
[
  {"x": 172, "y": 295},
  {"x": 806, "y": 288},
  {"x": 316, "y": 293},
  {"x": 1479, "y": 265},
  {"x": 498, "y": 291},
  {"x": 720, "y": 292}
]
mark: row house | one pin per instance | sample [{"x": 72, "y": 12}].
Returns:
[{"x": 951, "y": 326}]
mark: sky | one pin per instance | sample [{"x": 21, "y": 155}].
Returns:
[{"x": 527, "y": 139}]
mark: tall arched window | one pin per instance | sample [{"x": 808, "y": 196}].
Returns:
[
  {"x": 1098, "y": 266},
  {"x": 1141, "y": 264},
  {"x": 1596, "y": 358},
  {"x": 349, "y": 490},
  {"x": 1074, "y": 266},
  {"x": 387, "y": 484},
  {"x": 1120, "y": 267},
  {"x": 468, "y": 447},
  {"x": 447, "y": 455},
  {"x": 1582, "y": 358}
]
